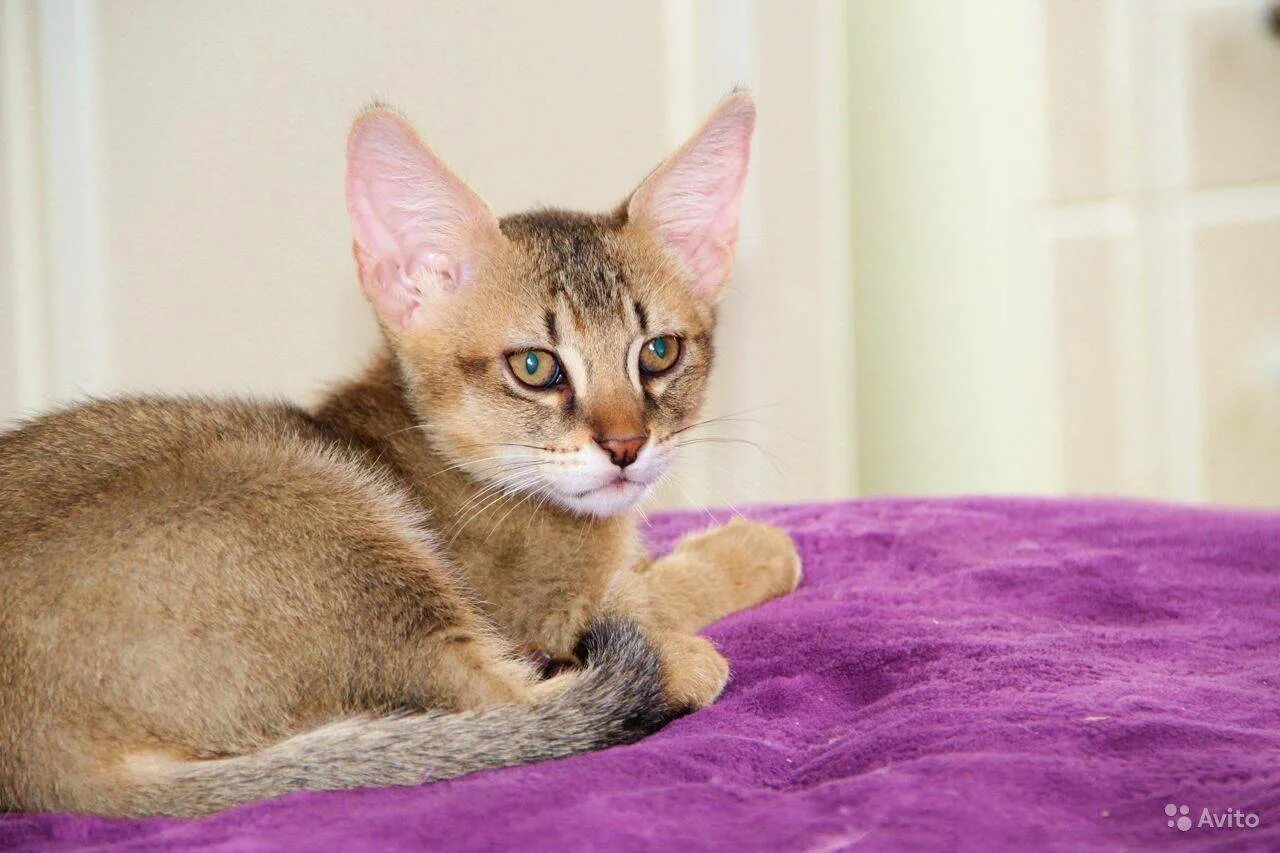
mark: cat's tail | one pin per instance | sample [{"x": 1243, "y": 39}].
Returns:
[{"x": 617, "y": 698}]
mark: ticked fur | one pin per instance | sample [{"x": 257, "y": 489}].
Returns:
[{"x": 205, "y": 602}]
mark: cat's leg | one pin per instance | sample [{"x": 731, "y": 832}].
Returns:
[
  {"x": 705, "y": 578},
  {"x": 720, "y": 571}
]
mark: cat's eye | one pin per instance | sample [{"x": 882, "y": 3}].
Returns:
[
  {"x": 536, "y": 368},
  {"x": 658, "y": 355}
]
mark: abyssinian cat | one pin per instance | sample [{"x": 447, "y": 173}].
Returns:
[{"x": 436, "y": 570}]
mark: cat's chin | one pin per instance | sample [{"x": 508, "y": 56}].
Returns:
[{"x": 607, "y": 501}]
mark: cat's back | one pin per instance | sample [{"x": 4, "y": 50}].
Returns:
[
  {"x": 109, "y": 458},
  {"x": 179, "y": 572}
]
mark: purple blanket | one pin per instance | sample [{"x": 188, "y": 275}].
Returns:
[{"x": 976, "y": 674}]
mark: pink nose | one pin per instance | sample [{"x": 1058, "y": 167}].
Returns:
[{"x": 622, "y": 451}]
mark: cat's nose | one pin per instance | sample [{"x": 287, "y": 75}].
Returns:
[{"x": 622, "y": 451}]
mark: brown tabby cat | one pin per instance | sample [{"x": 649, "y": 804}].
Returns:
[{"x": 205, "y": 602}]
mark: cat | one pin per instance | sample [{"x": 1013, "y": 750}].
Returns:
[{"x": 436, "y": 570}]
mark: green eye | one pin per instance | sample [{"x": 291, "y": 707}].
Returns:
[
  {"x": 659, "y": 355},
  {"x": 536, "y": 368}
]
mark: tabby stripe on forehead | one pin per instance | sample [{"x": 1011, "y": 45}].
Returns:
[
  {"x": 642, "y": 316},
  {"x": 558, "y": 289},
  {"x": 551, "y": 328}
]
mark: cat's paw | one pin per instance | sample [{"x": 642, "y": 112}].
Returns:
[
  {"x": 696, "y": 672},
  {"x": 757, "y": 561}
]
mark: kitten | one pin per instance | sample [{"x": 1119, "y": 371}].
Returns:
[{"x": 207, "y": 602}]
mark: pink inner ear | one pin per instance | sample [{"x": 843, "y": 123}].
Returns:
[
  {"x": 692, "y": 199},
  {"x": 384, "y": 284},
  {"x": 417, "y": 227}
]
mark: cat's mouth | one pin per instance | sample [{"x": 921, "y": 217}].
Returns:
[
  {"x": 612, "y": 498},
  {"x": 615, "y": 495},
  {"x": 585, "y": 482},
  {"x": 618, "y": 484}
]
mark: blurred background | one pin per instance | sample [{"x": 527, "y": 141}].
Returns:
[{"x": 989, "y": 246}]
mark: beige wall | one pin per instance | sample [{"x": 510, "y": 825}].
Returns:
[
  {"x": 1166, "y": 224},
  {"x": 23, "y": 357},
  {"x": 224, "y": 127},
  {"x": 988, "y": 246},
  {"x": 1065, "y": 232},
  {"x": 193, "y": 232}
]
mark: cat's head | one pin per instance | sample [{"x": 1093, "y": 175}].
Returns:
[{"x": 550, "y": 353}]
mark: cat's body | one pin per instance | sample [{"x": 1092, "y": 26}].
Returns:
[{"x": 207, "y": 602}]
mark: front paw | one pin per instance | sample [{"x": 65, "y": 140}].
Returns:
[
  {"x": 757, "y": 561},
  {"x": 695, "y": 670}
]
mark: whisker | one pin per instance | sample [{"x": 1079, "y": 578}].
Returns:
[
  {"x": 419, "y": 427},
  {"x": 507, "y": 493},
  {"x": 547, "y": 495},
  {"x": 720, "y": 501},
  {"x": 527, "y": 496},
  {"x": 726, "y": 418},
  {"x": 490, "y": 461},
  {"x": 736, "y": 473},
  {"x": 494, "y": 462},
  {"x": 491, "y": 486},
  {"x": 720, "y": 440},
  {"x": 678, "y": 482},
  {"x": 487, "y": 489},
  {"x": 507, "y": 444}
]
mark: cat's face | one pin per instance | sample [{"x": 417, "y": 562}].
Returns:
[
  {"x": 568, "y": 365},
  {"x": 553, "y": 354}
]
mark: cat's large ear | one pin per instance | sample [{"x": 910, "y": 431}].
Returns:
[
  {"x": 691, "y": 200},
  {"x": 418, "y": 228}
]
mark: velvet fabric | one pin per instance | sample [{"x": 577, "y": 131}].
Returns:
[{"x": 952, "y": 674}]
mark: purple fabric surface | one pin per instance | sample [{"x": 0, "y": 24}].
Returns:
[{"x": 951, "y": 674}]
